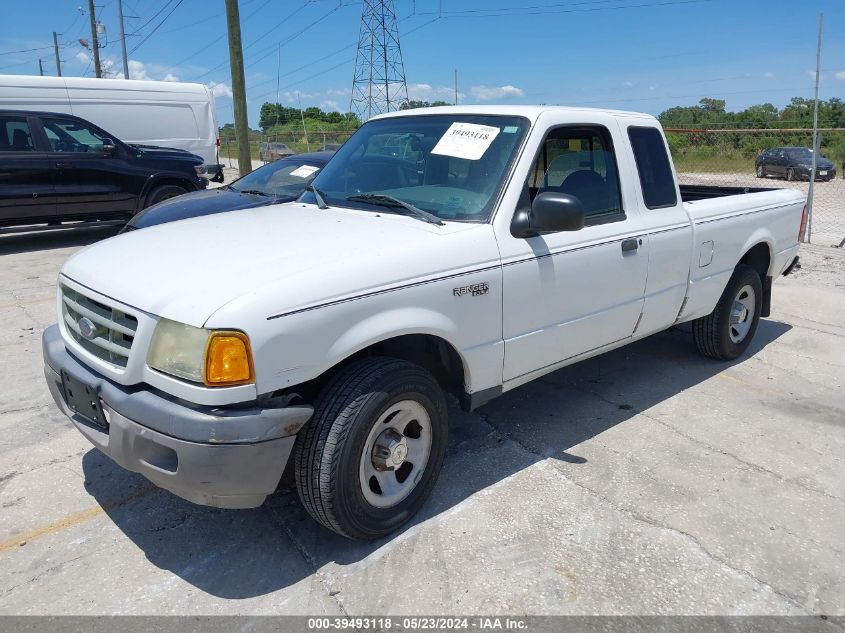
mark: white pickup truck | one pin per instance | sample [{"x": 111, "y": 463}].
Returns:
[{"x": 455, "y": 250}]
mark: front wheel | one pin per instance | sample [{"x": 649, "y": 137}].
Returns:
[
  {"x": 369, "y": 458},
  {"x": 165, "y": 192},
  {"x": 725, "y": 333},
  {"x": 761, "y": 173}
]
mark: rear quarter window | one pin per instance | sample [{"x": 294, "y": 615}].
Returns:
[{"x": 655, "y": 170}]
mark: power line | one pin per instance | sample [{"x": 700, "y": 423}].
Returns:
[
  {"x": 151, "y": 33},
  {"x": 25, "y": 50}
]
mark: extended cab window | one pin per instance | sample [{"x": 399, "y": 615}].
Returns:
[
  {"x": 656, "y": 177},
  {"x": 580, "y": 161},
  {"x": 15, "y": 135},
  {"x": 68, "y": 135}
]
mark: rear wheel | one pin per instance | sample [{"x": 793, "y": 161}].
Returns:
[
  {"x": 369, "y": 458},
  {"x": 790, "y": 174},
  {"x": 164, "y": 192},
  {"x": 725, "y": 333},
  {"x": 761, "y": 172}
]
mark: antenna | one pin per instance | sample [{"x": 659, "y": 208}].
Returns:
[{"x": 379, "y": 82}]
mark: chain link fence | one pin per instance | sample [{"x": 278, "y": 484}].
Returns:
[
  {"x": 769, "y": 158},
  {"x": 297, "y": 142}
]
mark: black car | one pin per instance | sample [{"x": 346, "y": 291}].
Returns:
[
  {"x": 57, "y": 167},
  {"x": 793, "y": 163},
  {"x": 281, "y": 181}
]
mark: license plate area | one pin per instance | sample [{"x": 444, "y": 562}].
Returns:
[
  {"x": 822, "y": 173},
  {"x": 84, "y": 400}
]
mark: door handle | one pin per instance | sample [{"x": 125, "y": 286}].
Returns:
[
  {"x": 64, "y": 165},
  {"x": 630, "y": 244}
]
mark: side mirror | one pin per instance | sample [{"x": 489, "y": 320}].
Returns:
[
  {"x": 551, "y": 212},
  {"x": 109, "y": 146}
]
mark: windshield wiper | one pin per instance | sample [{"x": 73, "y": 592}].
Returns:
[
  {"x": 396, "y": 203},
  {"x": 255, "y": 192},
  {"x": 319, "y": 195}
]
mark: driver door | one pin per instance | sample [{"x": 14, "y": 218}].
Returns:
[{"x": 571, "y": 293}]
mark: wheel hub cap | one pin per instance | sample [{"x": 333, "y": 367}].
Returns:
[
  {"x": 390, "y": 450},
  {"x": 742, "y": 314},
  {"x": 395, "y": 453}
]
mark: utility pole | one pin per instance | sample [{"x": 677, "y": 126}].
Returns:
[
  {"x": 815, "y": 132},
  {"x": 456, "y": 86},
  {"x": 95, "y": 43},
  {"x": 40, "y": 67},
  {"x": 236, "y": 62},
  {"x": 56, "y": 50},
  {"x": 122, "y": 39}
]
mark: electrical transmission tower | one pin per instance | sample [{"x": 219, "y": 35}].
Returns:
[{"x": 379, "y": 82}]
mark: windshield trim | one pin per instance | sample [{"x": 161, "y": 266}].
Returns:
[{"x": 507, "y": 174}]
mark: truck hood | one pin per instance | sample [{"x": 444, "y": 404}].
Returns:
[
  {"x": 155, "y": 151},
  {"x": 187, "y": 270}
]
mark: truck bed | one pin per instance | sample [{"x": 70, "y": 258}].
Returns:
[{"x": 692, "y": 193}]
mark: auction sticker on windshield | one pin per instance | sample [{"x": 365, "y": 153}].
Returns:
[
  {"x": 466, "y": 140},
  {"x": 303, "y": 171}
]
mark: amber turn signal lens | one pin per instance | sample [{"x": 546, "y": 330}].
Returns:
[{"x": 228, "y": 360}]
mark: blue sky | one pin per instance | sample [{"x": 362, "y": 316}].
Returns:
[{"x": 643, "y": 55}]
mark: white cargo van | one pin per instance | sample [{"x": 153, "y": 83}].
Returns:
[{"x": 169, "y": 114}]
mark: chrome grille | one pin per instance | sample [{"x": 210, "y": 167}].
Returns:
[{"x": 114, "y": 329}]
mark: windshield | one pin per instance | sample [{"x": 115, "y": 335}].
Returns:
[
  {"x": 281, "y": 178},
  {"x": 451, "y": 165}
]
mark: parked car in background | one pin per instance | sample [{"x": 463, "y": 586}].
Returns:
[
  {"x": 793, "y": 163},
  {"x": 274, "y": 151},
  {"x": 58, "y": 167},
  {"x": 331, "y": 147},
  {"x": 280, "y": 181},
  {"x": 160, "y": 113}
]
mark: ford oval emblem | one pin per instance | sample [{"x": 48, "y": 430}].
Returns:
[{"x": 87, "y": 328}]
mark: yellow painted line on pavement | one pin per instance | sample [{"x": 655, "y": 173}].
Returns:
[
  {"x": 745, "y": 383},
  {"x": 70, "y": 520}
]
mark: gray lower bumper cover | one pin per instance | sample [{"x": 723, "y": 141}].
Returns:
[{"x": 226, "y": 458}]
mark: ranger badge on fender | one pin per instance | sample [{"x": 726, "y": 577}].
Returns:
[{"x": 476, "y": 290}]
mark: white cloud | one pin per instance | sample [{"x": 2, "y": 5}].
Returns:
[
  {"x": 82, "y": 57},
  {"x": 420, "y": 92},
  {"x": 330, "y": 105},
  {"x": 768, "y": 75},
  {"x": 841, "y": 75},
  {"x": 811, "y": 74},
  {"x": 220, "y": 90},
  {"x": 491, "y": 93},
  {"x": 170, "y": 77},
  {"x": 628, "y": 84},
  {"x": 138, "y": 70},
  {"x": 338, "y": 92}
]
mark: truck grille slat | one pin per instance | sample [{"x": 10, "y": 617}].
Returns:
[{"x": 115, "y": 330}]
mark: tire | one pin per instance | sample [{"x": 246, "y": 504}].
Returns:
[
  {"x": 335, "y": 460},
  {"x": 790, "y": 174},
  {"x": 761, "y": 172},
  {"x": 164, "y": 192},
  {"x": 715, "y": 335}
]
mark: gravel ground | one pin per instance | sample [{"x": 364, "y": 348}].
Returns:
[{"x": 645, "y": 481}]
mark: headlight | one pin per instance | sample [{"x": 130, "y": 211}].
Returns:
[
  {"x": 200, "y": 169},
  {"x": 216, "y": 358}
]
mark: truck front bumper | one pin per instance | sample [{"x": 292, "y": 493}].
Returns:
[{"x": 226, "y": 458}]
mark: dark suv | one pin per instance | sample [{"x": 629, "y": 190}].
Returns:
[
  {"x": 793, "y": 163},
  {"x": 57, "y": 167}
]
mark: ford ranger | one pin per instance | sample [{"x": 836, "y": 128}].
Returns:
[{"x": 457, "y": 250}]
